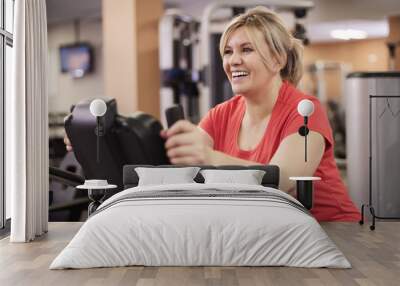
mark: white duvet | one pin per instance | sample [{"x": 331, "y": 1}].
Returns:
[{"x": 206, "y": 230}]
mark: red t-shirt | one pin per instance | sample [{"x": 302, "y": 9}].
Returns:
[{"x": 222, "y": 123}]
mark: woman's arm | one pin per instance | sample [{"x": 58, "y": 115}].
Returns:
[
  {"x": 290, "y": 157},
  {"x": 188, "y": 144}
]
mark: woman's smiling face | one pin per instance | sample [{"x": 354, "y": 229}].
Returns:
[{"x": 244, "y": 66}]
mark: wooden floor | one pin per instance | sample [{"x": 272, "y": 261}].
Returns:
[{"x": 375, "y": 256}]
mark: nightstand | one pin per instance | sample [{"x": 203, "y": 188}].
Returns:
[
  {"x": 97, "y": 190},
  {"x": 304, "y": 190}
]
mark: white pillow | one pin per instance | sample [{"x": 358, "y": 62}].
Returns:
[
  {"x": 162, "y": 176},
  {"x": 249, "y": 177}
]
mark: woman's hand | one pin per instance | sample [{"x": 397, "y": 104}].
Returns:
[
  {"x": 188, "y": 144},
  {"x": 67, "y": 143}
]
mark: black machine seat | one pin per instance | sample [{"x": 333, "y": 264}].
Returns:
[{"x": 126, "y": 140}]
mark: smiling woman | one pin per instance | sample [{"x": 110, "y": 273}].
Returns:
[
  {"x": 267, "y": 35},
  {"x": 259, "y": 125}
]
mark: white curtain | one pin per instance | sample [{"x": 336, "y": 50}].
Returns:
[{"x": 27, "y": 124}]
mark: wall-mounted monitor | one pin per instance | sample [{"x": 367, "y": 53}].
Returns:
[{"x": 77, "y": 59}]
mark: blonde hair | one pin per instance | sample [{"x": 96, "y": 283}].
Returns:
[{"x": 285, "y": 49}]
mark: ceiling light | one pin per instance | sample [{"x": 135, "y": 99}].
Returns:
[{"x": 348, "y": 34}]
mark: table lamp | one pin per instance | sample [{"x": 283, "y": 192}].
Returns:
[
  {"x": 98, "y": 108},
  {"x": 97, "y": 188},
  {"x": 304, "y": 185}
]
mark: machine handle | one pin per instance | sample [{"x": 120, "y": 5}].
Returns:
[{"x": 173, "y": 114}]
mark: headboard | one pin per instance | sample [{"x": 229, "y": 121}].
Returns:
[{"x": 270, "y": 179}]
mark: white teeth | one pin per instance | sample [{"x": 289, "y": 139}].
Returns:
[{"x": 239, "y": 73}]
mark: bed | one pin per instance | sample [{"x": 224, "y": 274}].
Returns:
[{"x": 201, "y": 223}]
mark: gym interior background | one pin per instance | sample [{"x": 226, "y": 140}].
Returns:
[{"x": 125, "y": 47}]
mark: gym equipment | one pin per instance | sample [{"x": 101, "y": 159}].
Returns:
[
  {"x": 373, "y": 136},
  {"x": 178, "y": 63},
  {"x": 126, "y": 140}
]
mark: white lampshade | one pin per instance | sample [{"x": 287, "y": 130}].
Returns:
[
  {"x": 98, "y": 107},
  {"x": 305, "y": 107}
]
